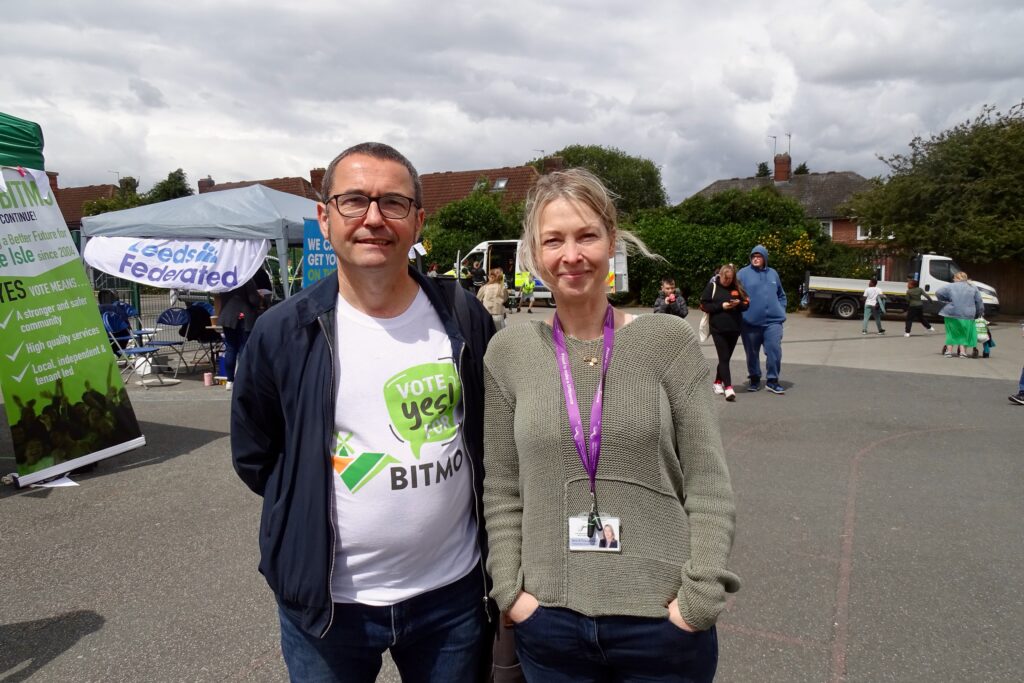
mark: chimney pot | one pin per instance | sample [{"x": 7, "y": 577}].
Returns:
[
  {"x": 783, "y": 167},
  {"x": 316, "y": 179},
  {"x": 206, "y": 184}
]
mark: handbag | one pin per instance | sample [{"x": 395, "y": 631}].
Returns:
[{"x": 704, "y": 329}]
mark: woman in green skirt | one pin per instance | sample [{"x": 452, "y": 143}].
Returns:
[{"x": 963, "y": 307}]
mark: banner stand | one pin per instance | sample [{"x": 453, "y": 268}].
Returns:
[
  {"x": 64, "y": 397},
  {"x": 58, "y": 470}
]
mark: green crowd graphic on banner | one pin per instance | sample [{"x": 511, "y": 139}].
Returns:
[{"x": 65, "y": 402}]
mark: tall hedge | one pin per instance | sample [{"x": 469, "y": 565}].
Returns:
[{"x": 701, "y": 234}]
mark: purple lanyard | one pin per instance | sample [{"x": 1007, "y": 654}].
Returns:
[{"x": 589, "y": 457}]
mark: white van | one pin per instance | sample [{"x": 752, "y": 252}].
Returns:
[{"x": 504, "y": 254}]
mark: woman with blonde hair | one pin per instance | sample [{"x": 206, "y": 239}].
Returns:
[
  {"x": 493, "y": 296},
  {"x": 724, "y": 300},
  {"x": 963, "y": 307},
  {"x": 601, "y": 418}
]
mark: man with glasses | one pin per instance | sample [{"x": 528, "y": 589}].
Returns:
[
  {"x": 762, "y": 321},
  {"x": 358, "y": 416}
]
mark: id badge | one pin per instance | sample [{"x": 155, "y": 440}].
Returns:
[{"x": 604, "y": 540}]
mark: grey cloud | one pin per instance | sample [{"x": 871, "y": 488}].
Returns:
[{"x": 148, "y": 94}]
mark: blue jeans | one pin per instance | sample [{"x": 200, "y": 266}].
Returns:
[
  {"x": 769, "y": 336},
  {"x": 868, "y": 312},
  {"x": 234, "y": 342},
  {"x": 558, "y": 645},
  {"x": 1021, "y": 386},
  {"x": 438, "y": 637}
]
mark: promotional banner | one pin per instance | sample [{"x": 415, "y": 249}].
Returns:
[
  {"x": 66, "y": 404},
  {"x": 318, "y": 259},
  {"x": 202, "y": 265}
]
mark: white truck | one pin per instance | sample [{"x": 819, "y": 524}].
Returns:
[
  {"x": 502, "y": 253},
  {"x": 844, "y": 297}
]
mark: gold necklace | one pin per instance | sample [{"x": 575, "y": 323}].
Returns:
[{"x": 590, "y": 360}]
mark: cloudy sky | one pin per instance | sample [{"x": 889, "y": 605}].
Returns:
[{"x": 253, "y": 89}]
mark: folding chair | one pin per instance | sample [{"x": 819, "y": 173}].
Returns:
[
  {"x": 168, "y": 336},
  {"x": 198, "y": 330},
  {"x": 141, "y": 333},
  {"x": 137, "y": 360}
]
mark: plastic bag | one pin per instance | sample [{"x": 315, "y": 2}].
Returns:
[{"x": 981, "y": 325}]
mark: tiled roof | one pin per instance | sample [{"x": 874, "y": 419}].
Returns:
[
  {"x": 443, "y": 188},
  {"x": 72, "y": 199},
  {"x": 819, "y": 193},
  {"x": 297, "y": 186}
]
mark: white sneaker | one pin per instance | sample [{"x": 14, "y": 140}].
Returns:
[
  {"x": 730, "y": 395},
  {"x": 906, "y": 334},
  {"x": 228, "y": 385},
  {"x": 718, "y": 388}
]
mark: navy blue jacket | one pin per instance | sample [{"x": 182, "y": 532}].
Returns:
[{"x": 282, "y": 422}]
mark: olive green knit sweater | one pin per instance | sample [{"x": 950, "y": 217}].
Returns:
[{"x": 662, "y": 471}]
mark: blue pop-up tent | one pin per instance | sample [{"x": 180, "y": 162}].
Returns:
[{"x": 253, "y": 212}]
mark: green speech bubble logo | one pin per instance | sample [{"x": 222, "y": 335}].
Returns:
[{"x": 421, "y": 402}]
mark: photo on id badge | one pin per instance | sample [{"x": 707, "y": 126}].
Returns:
[{"x": 605, "y": 538}]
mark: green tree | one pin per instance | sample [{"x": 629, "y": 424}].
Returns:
[
  {"x": 703, "y": 233},
  {"x": 174, "y": 186},
  {"x": 127, "y": 196},
  {"x": 635, "y": 180},
  {"x": 959, "y": 192},
  {"x": 461, "y": 225},
  {"x": 802, "y": 169},
  {"x": 762, "y": 170}
]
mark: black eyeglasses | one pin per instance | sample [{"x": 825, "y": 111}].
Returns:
[{"x": 355, "y": 205}]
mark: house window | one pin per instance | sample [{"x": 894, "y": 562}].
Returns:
[
  {"x": 880, "y": 271},
  {"x": 862, "y": 234},
  {"x": 826, "y": 228},
  {"x": 500, "y": 184}
]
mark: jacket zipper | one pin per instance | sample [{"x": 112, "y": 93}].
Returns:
[
  {"x": 330, "y": 510},
  {"x": 472, "y": 472}
]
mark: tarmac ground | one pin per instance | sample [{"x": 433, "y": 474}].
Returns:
[{"x": 878, "y": 535}]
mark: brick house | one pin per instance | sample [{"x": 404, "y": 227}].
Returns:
[
  {"x": 821, "y": 195},
  {"x": 446, "y": 187},
  {"x": 309, "y": 189},
  {"x": 71, "y": 200}
]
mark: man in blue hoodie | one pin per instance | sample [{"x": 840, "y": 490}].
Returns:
[{"x": 762, "y": 321}]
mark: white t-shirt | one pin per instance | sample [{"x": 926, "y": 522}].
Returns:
[
  {"x": 871, "y": 295},
  {"x": 403, "y": 490}
]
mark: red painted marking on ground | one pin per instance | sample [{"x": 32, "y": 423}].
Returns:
[{"x": 842, "y": 612}]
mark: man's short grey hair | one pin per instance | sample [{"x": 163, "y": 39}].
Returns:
[{"x": 374, "y": 150}]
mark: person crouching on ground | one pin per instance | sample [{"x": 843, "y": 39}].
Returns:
[{"x": 724, "y": 300}]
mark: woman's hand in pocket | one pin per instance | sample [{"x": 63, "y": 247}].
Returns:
[
  {"x": 676, "y": 618},
  {"x": 522, "y": 608}
]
